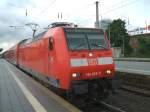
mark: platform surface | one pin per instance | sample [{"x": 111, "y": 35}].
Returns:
[
  {"x": 140, "y": 68},
  {"x": 21, "y": 93}
]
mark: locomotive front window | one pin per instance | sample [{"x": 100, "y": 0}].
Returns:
[
  {"x": 97, "y": 41},
  {"x": 85, "y": 39},
  {"x": 77, "y": 41}
]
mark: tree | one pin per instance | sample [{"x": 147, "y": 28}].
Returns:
[
  {"x": 144, "y": 48},
  {"x": 119, "y": 35}
]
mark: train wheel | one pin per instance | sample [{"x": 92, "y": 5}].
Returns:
[{"x": 70, "y": 95}]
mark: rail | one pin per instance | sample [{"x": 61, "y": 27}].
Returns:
[
  {"x": 137, "y": 81},
  {"x": 111, "y": 107}
]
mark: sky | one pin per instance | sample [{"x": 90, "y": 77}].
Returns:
[{"x": 81, "y": 12}]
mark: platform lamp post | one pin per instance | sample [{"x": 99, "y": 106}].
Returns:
[{"x": 33, "y": 26}]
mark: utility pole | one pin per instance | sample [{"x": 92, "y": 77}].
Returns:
[
  {"x": 123, "y": 46},
  {"x": 97, "y": 16}
]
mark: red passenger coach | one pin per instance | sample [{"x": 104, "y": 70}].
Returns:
[
  {"x": 75, "y": 60},
  {"x": 12, "y": 54}
]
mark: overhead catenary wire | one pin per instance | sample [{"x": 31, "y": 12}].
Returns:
[
  {"x": 116, "y": 4},
  {"x": 69, "y": 14},
  {"x": 43, "y": 11},
  {"x": 62, "y": 14},
  {"x": 119, "y": 7},
  {"x": 125, "y": 4}
]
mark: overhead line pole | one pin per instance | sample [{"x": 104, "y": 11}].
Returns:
[{"x": 97, "y": 16}]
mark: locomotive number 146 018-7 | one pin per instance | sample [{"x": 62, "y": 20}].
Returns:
[{"x": 92, "y": 74}]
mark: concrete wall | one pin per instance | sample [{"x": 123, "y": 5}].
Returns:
[{"x": 117, "y": 52}]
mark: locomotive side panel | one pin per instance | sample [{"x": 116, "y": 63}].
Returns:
[
  {"x": 62, "y": 68},
  {"x": 32, "y": 58},
  {"x": 57, "y": 61}
]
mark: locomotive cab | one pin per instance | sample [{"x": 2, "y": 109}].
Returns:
[{"x": 91, "y": 62}]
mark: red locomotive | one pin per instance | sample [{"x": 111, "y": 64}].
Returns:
[{"x": 75, "y": 60}]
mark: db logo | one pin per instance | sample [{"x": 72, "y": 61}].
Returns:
[{"x": 92, "y": 61}]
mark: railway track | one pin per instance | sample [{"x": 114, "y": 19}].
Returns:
[
  {"x": 93, "y": 105},
  {"x": 140, "y": 91},
  {"x": 111, "y": 107},
  {"x": 134, "y": 83}
]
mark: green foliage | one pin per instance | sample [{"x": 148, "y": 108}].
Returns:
[
  {"x": 148, "y": 45},
  {"x": 118, "y": 34},
  {"x": 143, "y": 50},
  {"x": 127, "y": 49},
  {"x": 117, "y": 31},
  {"x": 144, "y": 47}
]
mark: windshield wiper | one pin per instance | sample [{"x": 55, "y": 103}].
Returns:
[{"x": 99, "y": 45}]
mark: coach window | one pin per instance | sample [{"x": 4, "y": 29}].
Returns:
[{"x": 51, "y": 43}]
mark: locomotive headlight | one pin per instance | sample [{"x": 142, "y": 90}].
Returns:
[
  {"x": 76, "y": 75},
  {"x": 108, "y": 71},
  {"x": 90, "y": 54}
]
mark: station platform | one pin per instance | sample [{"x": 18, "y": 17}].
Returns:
[{"x": 21, "y": 93}]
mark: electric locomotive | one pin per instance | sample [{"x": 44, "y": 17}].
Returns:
[{"x": 78, "y": 61}]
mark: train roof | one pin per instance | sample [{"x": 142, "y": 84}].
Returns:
[
  {"x": 22, "y": 41},
  {"x": 71, "y": 27},
  {"x": 59, "y": 24},
  {"x": 80, "y": 29}
]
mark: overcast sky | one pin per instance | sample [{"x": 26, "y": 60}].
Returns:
[{"x": 81, "y": 12}]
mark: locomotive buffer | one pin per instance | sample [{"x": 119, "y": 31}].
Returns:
[{"x": 20, "y": 93}]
